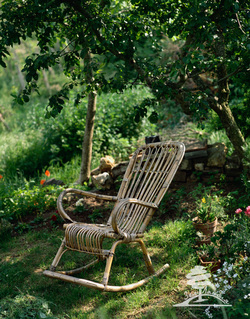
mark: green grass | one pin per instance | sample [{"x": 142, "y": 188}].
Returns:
[{"x": 23, "y": 259}]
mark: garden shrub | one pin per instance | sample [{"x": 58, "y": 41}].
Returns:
[
  {"x": 26, "y": 200},
  {"x": 25, "y": 306},
  {"x": 60, "y": 139}
]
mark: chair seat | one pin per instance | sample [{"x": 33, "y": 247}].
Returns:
[{"x": 88, "y": 237}]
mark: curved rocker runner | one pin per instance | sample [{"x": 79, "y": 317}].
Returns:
[{"x": 146, "y": 180}]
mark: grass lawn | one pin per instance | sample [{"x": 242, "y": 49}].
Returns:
[{"x": 23, "y": 258}]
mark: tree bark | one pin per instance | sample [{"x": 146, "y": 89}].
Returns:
[
  {"x": 88, "y": 138},
  {"x": 232, "y": 130},
  {"x": 89, "y": 128},
  {"x": 222, "y": 107}
]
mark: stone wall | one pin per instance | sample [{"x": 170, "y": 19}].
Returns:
[
  {"x": 210, "y": 166},
  {"x": 209, "y": 163}
]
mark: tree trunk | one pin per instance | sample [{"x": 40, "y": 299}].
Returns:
[
  {"x": 232, "y": 130},
  {"x": 219, "y": 103},
  {"x": 87, "y": 140},
  {"x": 222, "y": 107},
  {"x": 89, "y": 127}
]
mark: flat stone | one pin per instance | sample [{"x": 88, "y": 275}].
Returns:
[
  {"x": 199, "y": 166},
  {"x": 119, "y": 169},
  {"x": 217, "y": 155},
  {"x": 233, "y": 162},
  {"x": 106, "y": 163},
  {"x": 103, "y": 181},
  {"x": 186, "y": 165}
]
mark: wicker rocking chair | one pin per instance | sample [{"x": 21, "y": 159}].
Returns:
[{"x": 146, "y": 180}]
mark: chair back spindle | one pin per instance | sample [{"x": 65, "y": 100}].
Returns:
[{"x": 147, "y": 178}]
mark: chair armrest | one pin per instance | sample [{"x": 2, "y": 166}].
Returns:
[
  {"x": 60, "y": 208},
  {"x": 120, "y": 205}
]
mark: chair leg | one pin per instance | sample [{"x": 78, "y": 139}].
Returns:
[
  {"x": 109, "y": 263},
  {"x": 58, "y": 256},
  {"x": 146, "y": 257},
  {"x": 104, "y": 285}
]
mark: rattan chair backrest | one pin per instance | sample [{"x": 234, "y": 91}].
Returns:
[{"x": 147, "y": 178}]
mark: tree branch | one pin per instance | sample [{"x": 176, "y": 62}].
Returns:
[
  {"x": 238, "y": 20},
  {"x": 231, "y": 74},
  {"x": 131, "y": 61}
]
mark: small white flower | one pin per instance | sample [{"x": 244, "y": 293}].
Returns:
[
  {"x": 225, "y": 281},
  {"x": 80, "y": 202},
  {"x": 235, "y": 275},
  {"x": 244, "y": 285}
]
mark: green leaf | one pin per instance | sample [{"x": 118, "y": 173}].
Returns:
[
  {"x": 137, "y": 118},
  {"x": 60, "y": 101},
  {"x": 26, "y": 98},
  {"x": 153, "y": 118},
  {"x": 28, "y": 77},
  {"x": 35, "y": 76},
  {"x": 3, "y": 64}
]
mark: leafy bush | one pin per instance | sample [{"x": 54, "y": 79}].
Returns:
[
  {"x": 26, "y": 199},
  {"x": 29, "y": 154},
  {"x": 25, "y": 306},
  {"x": 60, "y": 139},
  {"x": 234, "y": 239},
  {"x": 239, "y": 197}
]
